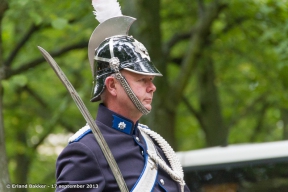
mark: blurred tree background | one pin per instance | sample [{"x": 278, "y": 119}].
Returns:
[{"x": 224, "y": 64}]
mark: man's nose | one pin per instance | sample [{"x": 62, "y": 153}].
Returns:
[{"x": 151, "y": 87}]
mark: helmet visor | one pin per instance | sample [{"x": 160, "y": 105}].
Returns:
[{"x": 143, "y": 67}]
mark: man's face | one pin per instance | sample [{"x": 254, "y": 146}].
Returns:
[{"x": 142, "y": 86}]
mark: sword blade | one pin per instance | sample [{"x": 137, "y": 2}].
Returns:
[{"x": 87, "y": 116}]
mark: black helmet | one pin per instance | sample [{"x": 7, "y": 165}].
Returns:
[
  {"x": 132, "y": 56},
  {"x": 110, "y": 50}
]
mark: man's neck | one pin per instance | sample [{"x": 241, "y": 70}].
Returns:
[{"x": 134, "y": 115}]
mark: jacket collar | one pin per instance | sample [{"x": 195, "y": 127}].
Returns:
[{"x": 115, "y": 121}]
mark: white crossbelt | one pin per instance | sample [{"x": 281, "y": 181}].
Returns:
[{"x": 147, "y": 179}]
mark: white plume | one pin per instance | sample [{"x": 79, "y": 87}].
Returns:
[{"x": 105, "y": 9}]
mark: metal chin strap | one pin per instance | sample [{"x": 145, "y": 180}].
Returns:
[{"x": 114, "y": 65}]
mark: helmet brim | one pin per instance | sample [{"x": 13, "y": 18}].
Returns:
[{"x": 143, "y": 67}]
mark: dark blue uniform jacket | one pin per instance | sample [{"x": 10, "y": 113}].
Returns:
[{"x": 82, "y": 166}]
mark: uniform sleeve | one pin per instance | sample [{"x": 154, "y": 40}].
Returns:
[{"x": 77, "y": 169}]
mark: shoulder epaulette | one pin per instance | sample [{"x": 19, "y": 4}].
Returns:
[
  {"x": 80, "y": 134},
  {"x": 143, "y": 126}
]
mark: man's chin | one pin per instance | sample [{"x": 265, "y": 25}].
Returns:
[{"x": 148, "y": 107}]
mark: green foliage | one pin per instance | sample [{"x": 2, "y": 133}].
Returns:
[{"x": 248, "y": 46}]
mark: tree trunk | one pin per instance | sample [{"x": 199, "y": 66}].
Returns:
[
  {"x": 23, "y": 161},
  {"x": 4, "y": 173},
  {"x": 210, "y": 109},
  {"x": 284, "y": 116}
]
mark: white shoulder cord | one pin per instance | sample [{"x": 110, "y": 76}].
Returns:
[{"x": 176, "y": 173}]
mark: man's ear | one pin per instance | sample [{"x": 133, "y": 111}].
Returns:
[{"x": 110, "y": 83}]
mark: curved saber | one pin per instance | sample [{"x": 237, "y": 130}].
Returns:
[{"x": 87, "y": 116}]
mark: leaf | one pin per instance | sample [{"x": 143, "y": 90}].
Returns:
[
  {"x": 59, "y": 23},
  {"x": 36, "y": 18},
  {"x": 19, "y": 80}
]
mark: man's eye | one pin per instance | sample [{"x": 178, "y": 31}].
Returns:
[
  {"x": 143, "y": 80},
  {"x": 146, "y": 80}
]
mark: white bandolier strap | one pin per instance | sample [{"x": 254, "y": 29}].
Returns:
[
  {"x": 147, "y": 179},
  {"x": 176, "y": 173}
]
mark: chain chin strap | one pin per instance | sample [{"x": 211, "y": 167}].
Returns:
[{"x": 131, "y": 94}]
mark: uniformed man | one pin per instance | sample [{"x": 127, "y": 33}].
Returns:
[{"x": 123, "y": 83}]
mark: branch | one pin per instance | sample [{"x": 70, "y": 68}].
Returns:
[
  {"x": 193, "y": 111},
  {"x": 3, "y": 8},
  {"x": 177, "y": 60},
  {"x": 35, "y": 96},
  {"x": 41, "y": 59},
  {"x": 248, "y": 109},
  {"x": 237, "y": 22},
  {"x": 259, "y": 125},
  {"x": 201, "y": 8},
  {"x": 22, "y": 42},
  {"x": 67, "y": 126},
  {"x": 174, "y": 40},
  {"x": 53, "y": 121},
  {"x": 34, "y": 28}
]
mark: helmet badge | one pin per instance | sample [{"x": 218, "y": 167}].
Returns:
[
  {"x": 114, "y": 64},
  {"x": 139, "y": 48}
]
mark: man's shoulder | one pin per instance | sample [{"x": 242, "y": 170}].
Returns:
[{"x": 83, "y": 140}]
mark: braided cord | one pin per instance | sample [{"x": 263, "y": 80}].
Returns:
[
  {"x": 176, "y": 173},
  {"x": 167, "y": 149}
]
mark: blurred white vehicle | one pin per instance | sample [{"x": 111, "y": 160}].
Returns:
[{"x": 257, "y": 167}]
